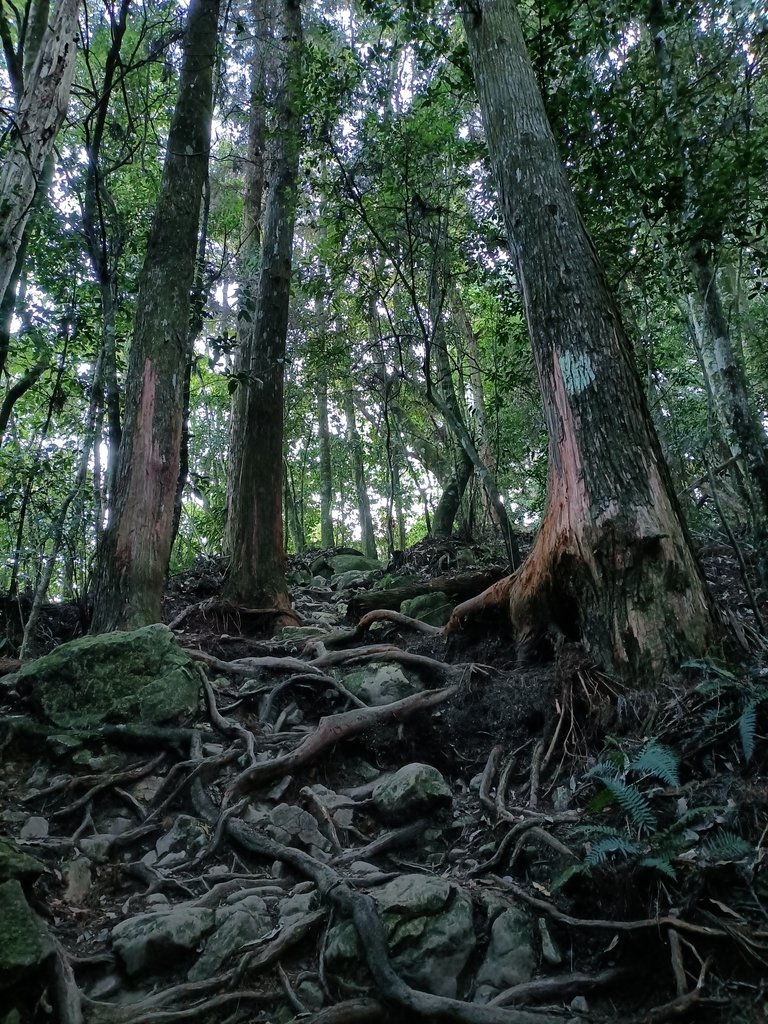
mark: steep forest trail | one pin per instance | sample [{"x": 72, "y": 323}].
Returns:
[{"x": 364, "y": 820}]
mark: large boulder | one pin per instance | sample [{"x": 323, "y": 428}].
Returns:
[
  {"x": 153, "y": 940},
  {"x": 352, "y": 563},
  {"x": 413, "y": 790},
  {"x": 434, "y": 608},
  {"x": 18, "y": 865},
  {"x": 429, "y": 932},
  {"x": 245, "y": 920},
  {"x": 23, "y": 942},
  {"x": 142, "y": 676}
]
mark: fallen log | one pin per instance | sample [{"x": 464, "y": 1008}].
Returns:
[{"x": 459, "y": 587}]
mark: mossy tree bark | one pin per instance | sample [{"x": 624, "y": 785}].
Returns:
[
  {"x": 612, "y": 564},
  {"x": 133, "y": 556}
]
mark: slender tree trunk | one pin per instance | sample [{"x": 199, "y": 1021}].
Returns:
[
  {"x": 133, "y": 557},
  {"x": 612, "y": 564},
  {"x": 719, "y": 357},
  {"x": 257, "y": 567},
  {"x": 326, "y": 475},
  {"x": 367, "y": 534},
  {"x": 40, "y": 115}
]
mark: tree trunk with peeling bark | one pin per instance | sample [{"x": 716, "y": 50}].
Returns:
[
  {"x": 612, "y": 565},
  {"x": 41, "y": 112},
  {"x": 135, "y": 550}
]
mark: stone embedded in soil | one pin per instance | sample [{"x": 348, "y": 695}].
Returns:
[
  {"x": 352, "y": 563},
  {"x": 140, "y": 676},
  {"x": 151, "y": 941},
  {"x": 429, "y": 931},
  {"x": 414, "y": 790},
  {"x": 235, "y": 924},
  {"x": 18, "y": 865},
  {"x": 77, "y": 874},
  {"x": 293, "y": 826},
  {"x": 23, "y": 942},
  {"x": 434, "y": 609},
  {"x": 510, "y": 958},
  {"x": 380, "y": 683},
  {"x": 34, "y": 828},
  {"x": 186, "y": 837}
]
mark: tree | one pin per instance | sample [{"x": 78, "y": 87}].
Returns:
[
  {"x": 254, "y": 502},
  {"x": 612, "y": 564},
  {"x": 134, "y": 553},
  {"x": 40, "y": 114}
]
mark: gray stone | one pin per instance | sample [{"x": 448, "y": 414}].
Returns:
[
  {"x": 429, "y": 931},
  {"x": 187, "y": 836},
  {"x": 293, "y": 826},
  {"x": 352, "y": 580},
  {"x": 300, "y": 633},
  {"x": 432, "y": 608},
  {"x": 34, "y": 828},
  {"x": 235, "y": 924},
  {"x": 106, "y": 986},
  {"x": 352, "y": 563},
  {"x": 311, "y": 994},
  {"x": 549, "y": 951},
  {"x": 24, "y": 944},
  {"x": 413, "y": 790},
  {"x": 77, "y": 874},
  {"x": 15, "y": 864},
  {"x": 96, "y": 848},
  {"x": 115, "y": 677},
  {"x": 510, "y": 958},
  {"x": 380, "y": 683},
  {"x": 149, "y": 941},
  {"x": 296, "y": 906}
]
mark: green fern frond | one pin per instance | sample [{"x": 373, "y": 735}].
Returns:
[
  {"x": 727, "y": 846},
  {"x": 628, "y": 796},
  {"x": 564, "y": 877},
  {"x": 658, "y": 761},
  {"x": 747, "y": 728},
  {"x": 660, "y": 864},
  {"x": 611, "y": 844}
]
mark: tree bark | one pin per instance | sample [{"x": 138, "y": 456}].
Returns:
[
  {"x": 133, "y": 557},
  {"x": 41, "y": 112},
  {"x": 257, "y": 567},
  {"x": 326, "y": 477},
  {"x": 367, "y": 534},
  {"x": 612, "y": 564}
]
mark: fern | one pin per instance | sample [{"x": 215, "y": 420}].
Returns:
[
  {"x": 747, "y": 728},
  {"x": 659, "y": 762},
  {"x": 727, "y": 846},
  {"x": 661, "y": 864},
  {"x": 628, "y": 796},
  {"x": 598, "y": 854}
]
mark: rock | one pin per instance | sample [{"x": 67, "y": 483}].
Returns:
[
  {"x": 34, "y": 828},
  {"x": 430, "y": 937},
  {"x": 105, "y": 987},
  {"x": 579, "y": 1004},
  {"x": 299, "y": 633},
  {"x": 348, "y": 563},
  {"x": 413, "y": 790},
  {"x": 77, "y": 874},
  {"x": 187, "y": 836},
  {"x": 235, "y": 924},
  {"x": 149, "y": 941},
  {"x": 14, "y": 864},
  {"x": 95, "y": 848},
  {"x": 311, "y": 994},
  {"x": 296, "y": 906},
  {"x": 24, "y": 944},
  {"x": 380, "y": 683},
  {"x": 117, "y": 677},
  {"x": 433, "y": 608},
  {"x": 549, "y": 951},
  {"x": 293, "y": 826},
  {"x": 352, "y": 580},
  {"x": 510, "y": 957}
]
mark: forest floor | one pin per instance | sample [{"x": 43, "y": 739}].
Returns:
[{"x": 607, "y": 848}]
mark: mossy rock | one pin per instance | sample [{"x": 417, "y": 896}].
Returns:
[
  {"x": 18, "y": 865},
  {"x": 434, "y": 608},
  {"x": 347, "y": 563},
  {"x": 23, "y": 943},
  {"x": 141, "y": 675}
]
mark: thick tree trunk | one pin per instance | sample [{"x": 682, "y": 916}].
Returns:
[
  {"x": 612, "y": 564},
  {"x": 41, "y": 112},
  {"x": 133, "y": 557},
  {"x": 257, "y": 567},
  {"x": 367, "y": 534}
]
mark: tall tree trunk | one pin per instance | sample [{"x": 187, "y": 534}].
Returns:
[
  {"x": 723, "y": 368},
  {"x": 612, "y": 564},
  {"x": 257, "y": 567},
  {"x": 133, "y": 558},
  {"x": 367, "y": 535},
  {"x": 40, "y": 115},
  {"x": 326, "y": 475}
]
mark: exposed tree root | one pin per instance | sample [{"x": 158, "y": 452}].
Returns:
[
  {"x": 559, "y": 988},
  {"x": 228, "y": 612},
  {"x": 347, "y": 636},
  {"x": 491, "y": 602}
]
